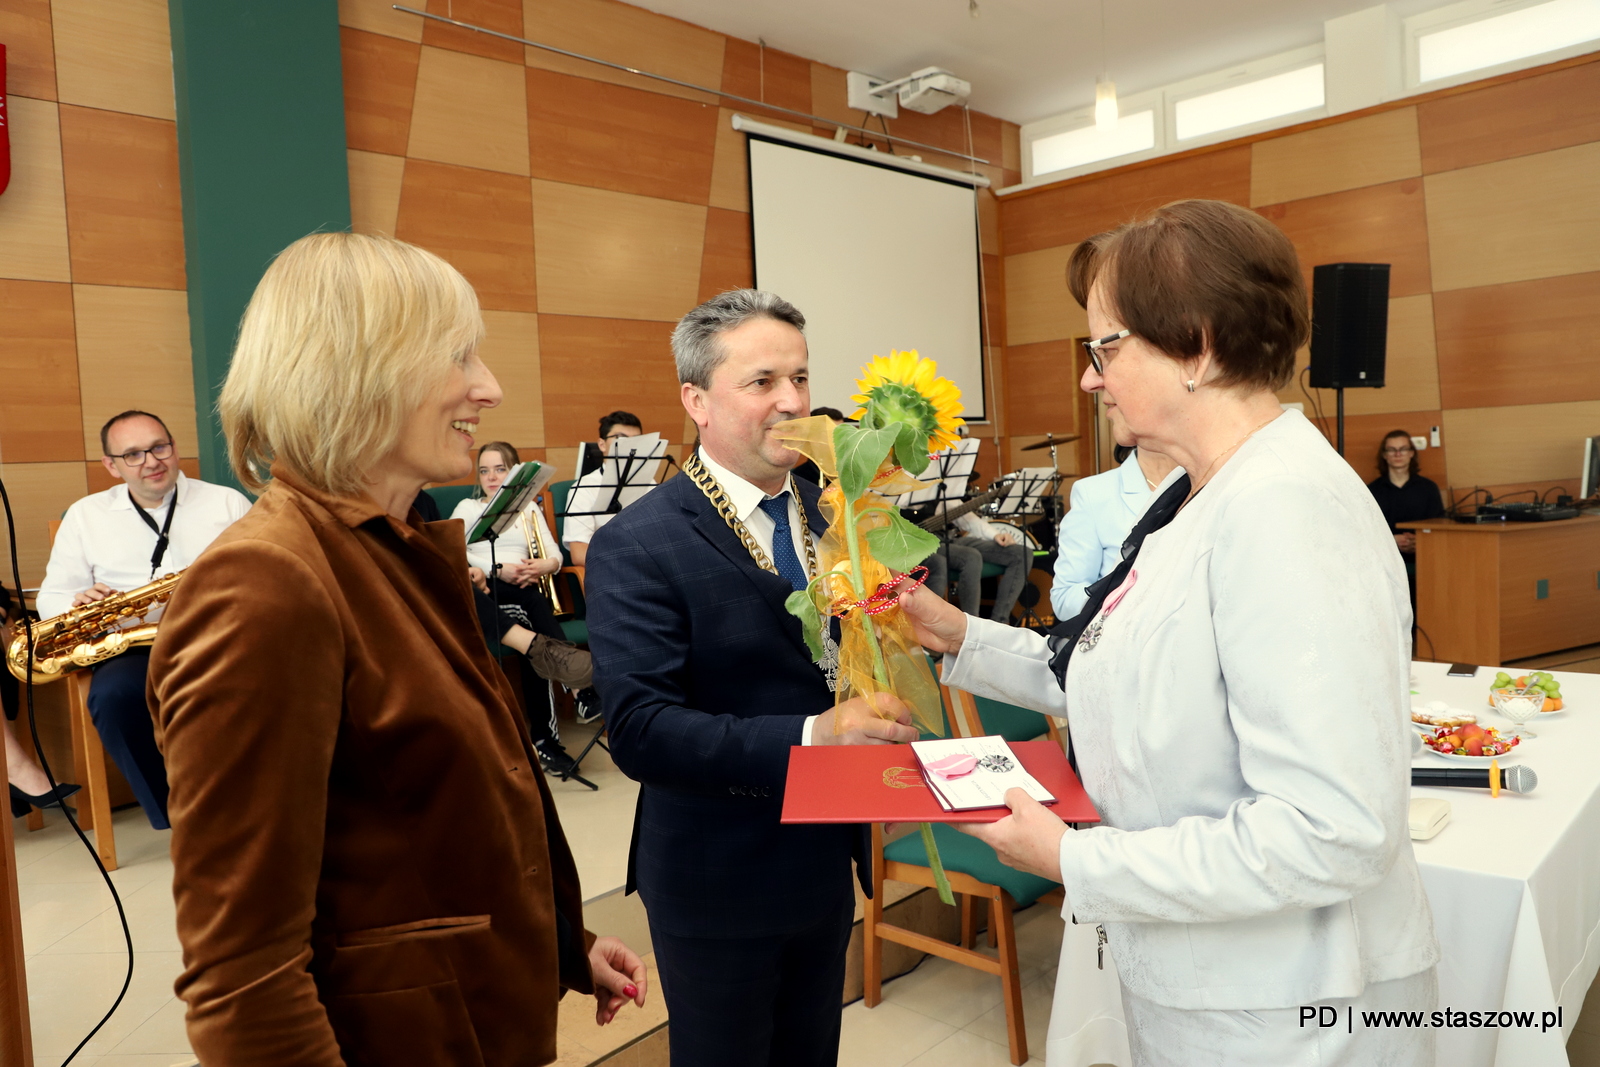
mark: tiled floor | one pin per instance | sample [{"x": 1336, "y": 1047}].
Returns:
[{"x": 940, "y": 1015}]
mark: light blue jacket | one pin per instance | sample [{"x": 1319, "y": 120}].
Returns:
[{"x": 1104, "y": 508}]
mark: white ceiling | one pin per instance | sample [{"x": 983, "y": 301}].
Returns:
[{"x": 1028, "y": 59}]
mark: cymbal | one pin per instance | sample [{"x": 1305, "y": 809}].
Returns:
[{"x": 1049, "y": 440}]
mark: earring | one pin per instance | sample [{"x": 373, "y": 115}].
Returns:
[{"x": 1190, "y": 384}]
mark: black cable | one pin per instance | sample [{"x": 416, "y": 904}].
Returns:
[
  {"x": 887, "y": 139},
  {"x": 1546, "y": 495},
  {"x": 1425, "y": 637},
  {"x": 1532, "y": 492},
  {"x": 55, "y": 787}
]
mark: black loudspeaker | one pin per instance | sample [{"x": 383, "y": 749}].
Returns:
[{"x": 1349, "y": 325}]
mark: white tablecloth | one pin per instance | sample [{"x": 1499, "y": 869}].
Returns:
[{"x": 1514, "y": 883}]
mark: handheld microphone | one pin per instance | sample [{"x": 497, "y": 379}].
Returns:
[{"x": 1517, "y": 778}]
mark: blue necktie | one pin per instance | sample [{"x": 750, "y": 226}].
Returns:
[{"x": 788, "y": 564}]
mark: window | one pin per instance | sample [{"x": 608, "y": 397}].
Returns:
[
  {"x": 1490, "y": 40},
  {"x": 1244, "y": 105},
  {"x": 1089, "y": 144}
]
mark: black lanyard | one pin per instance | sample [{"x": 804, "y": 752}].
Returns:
[{"x": 161, "y": 531}]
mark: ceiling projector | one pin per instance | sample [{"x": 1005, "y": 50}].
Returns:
[{"x": 932, "y": 89}]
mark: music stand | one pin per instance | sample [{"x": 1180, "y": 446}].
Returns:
[
  {"x": 944, "y": 480},
  {"x": 1025, "y": 495},
  {"x": 626, "y": 474},
  {"x": 525, "y": 481}
]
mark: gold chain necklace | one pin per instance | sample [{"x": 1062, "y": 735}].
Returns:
[
  {"x": 707, "y": 484},
  {"x": 1198, "y": 483}
]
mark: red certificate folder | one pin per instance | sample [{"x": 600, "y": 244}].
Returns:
[{"x": 882, "y": 783}]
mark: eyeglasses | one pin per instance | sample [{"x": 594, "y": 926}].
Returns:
[
  {"x": 136, "y": 457},
  {"x": 1094, "y": 347}
]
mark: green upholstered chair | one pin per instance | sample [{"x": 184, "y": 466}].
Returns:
[
  {"x": 974, "y": 872},
  {"x": 448, "y": 496}
]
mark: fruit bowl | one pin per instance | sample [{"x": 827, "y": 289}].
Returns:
[{"x": 1539, "y": 686}]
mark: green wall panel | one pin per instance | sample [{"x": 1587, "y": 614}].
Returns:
[{"x": 261, "y": 152}]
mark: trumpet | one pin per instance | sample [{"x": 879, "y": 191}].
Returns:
[
  {"x": 89, "y": 634},
  {"x": 533, "y": 532}
]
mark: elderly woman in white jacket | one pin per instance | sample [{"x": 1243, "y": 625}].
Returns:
[{"x": 1238, "y": 701}]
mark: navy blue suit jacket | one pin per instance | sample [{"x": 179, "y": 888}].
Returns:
[{"x": 705, "y": 683}]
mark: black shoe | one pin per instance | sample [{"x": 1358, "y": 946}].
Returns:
[
  {"x": 21, "y": 802},
  {"x": 555, "y": 759},
  {"x": 588, "y": 704}
]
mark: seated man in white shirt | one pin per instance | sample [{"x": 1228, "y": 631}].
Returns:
[
  {"x": 972, "y": 543},
  {"x": 155, "y": 523}
]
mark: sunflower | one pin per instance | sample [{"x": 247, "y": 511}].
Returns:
[{"x": 907, "y": 388}]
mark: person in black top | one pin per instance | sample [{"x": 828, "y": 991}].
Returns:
[{"x": 1404, "y": 495}]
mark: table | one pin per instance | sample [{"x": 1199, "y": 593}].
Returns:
[
  {"x": 1489, "y": 592},
  {"x": 1514, "y": 882}
]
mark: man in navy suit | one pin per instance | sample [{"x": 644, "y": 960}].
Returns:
[{"x": 706, "y": 683}]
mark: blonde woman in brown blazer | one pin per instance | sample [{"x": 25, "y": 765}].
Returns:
[{"x": 368, "y": 864}]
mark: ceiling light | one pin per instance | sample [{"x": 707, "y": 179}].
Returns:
[{"x": 1105, "y": 105}]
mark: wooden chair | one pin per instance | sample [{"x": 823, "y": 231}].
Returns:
[{"x": 974, "y": 872}]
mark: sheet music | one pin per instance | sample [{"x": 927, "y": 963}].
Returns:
[
  {"x": 954, "y": 465},
  {"x": 1025, "y": 494}
]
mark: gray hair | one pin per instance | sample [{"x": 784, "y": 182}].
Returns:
[{"x": 694, "y": 340}]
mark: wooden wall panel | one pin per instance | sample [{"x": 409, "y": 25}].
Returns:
[
  {"x": 730, "y": 165},
  {"x": 1347, "y": 155},
  {"x": 511, "y": 350},
  {"x": 124, "y": 215},
  {"x": 380, "y": 81},
  {"x": 1377, "y": 224},
  {"x": 1519, "y": 442},
  {"x": 30, "y": 49},
  {"x": 1038, "y": 305},
  {"x": 379, "y": 16},
  {"x": 1069, "y": 213},
  {"x": 616, "y": 255},
  {"x": 39, "y": 492},
  {"x": 830, "y": 97},
  {"x": 1041, "y": 390},
  {"x": 480, "y": 221},
  {"x": 613, "y": 137},
  {"x": 33, "y": 211},
  {"x": 502, "y": 16},
  {"x": 116, "y": 56},
  {"x": 1519, "y": 118},
  {"x": 133, "y": 352},
  {"x": 375, "y": 182},
  {"x": 470, "y": 111},
  {"x": 1528, "y": 217},
  {"x": 632, "y": 36},
  {"x": 1521, "y": 343},
  {"x": 766, "y": 74},
  {"x": 1364, "y": 433},
  {"x": 592, "y": 366},
  {"x": 727, "y": 261},
  {"x": 39, "y": 413}
]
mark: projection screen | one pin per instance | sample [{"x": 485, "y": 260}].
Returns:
[{"x": 876, "y": 258}]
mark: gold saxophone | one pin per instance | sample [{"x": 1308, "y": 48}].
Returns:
[
  {"x": 89, "y": 634},
  {"x": 532, "y": 530}
]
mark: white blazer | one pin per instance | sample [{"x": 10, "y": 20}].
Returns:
[
  {"x": 1089, "y": 545},
  {"x": 1242, "y": 727}
]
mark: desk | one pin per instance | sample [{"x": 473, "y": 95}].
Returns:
[
  {"x": 1512, "y": 881},
  {"x": 1491, "y": 592}
]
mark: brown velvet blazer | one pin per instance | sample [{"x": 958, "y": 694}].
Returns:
[{"x": 367, "y": 860}]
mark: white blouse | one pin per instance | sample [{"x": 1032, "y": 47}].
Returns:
[
  {"x": 1242, "y": 727},
  {"x": 512, "y": 545}
]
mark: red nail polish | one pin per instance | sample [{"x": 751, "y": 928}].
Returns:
[{"x": 631, "y": 990}]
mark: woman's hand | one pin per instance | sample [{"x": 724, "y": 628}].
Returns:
[
  {"x": 475, "y": 576},
  {"x": 939, "y": 625},
  {"x": 1029, "y": 839},
  {"x": 1406, "y": 542},
  {"x": 538, "y": 568},
  {"x": 619, "y": 976}
]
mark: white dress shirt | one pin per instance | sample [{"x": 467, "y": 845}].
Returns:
[
  {"x": 1242, "y": 727},
  {"x": 511, "y": 547},
  {"x": 580, "y": 529},
  {"x": 746, "y": 499},
  {"x": 102, "y": 539}
]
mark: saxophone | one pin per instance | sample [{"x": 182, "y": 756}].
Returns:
[{"x": 89, "y": 634}]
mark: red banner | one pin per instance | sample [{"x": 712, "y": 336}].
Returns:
[{"x": 5, "y": 127}]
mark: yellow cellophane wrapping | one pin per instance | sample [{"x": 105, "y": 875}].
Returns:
[{"x": 906, "y": 663}]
